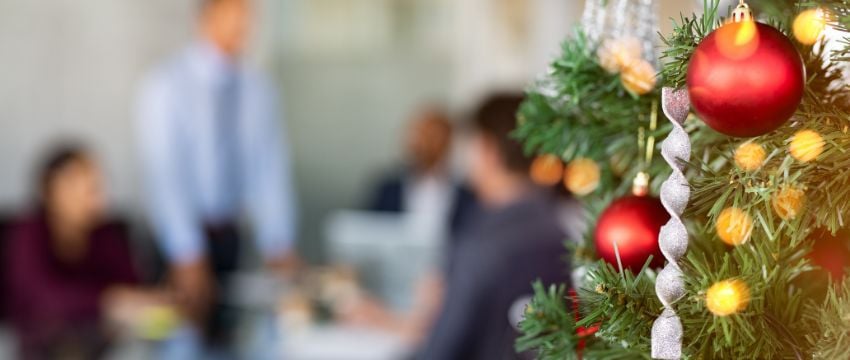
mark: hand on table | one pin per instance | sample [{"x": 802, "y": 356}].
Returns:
[
  {"x": 147, "y": 312},
  {"x": 366, "y": 311},
  {"x": 194, "y": 289},
  {"x": 287, "y": 265}
]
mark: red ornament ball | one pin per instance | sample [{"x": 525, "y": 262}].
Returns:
[
  {"x": 746, "y": 79},
  {"x": 633, "y": 223},
  {"x": 831, "y": 252}
]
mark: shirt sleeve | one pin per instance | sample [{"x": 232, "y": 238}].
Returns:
[
  {"x": 270, "y": 198},
  {"x": 169, "y": 204}
]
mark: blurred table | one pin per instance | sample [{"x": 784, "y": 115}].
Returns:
[
  {"x": 391, "y": 252},
  {"x": 258, "y": 295},
  {"x": 337, "y": 342}
]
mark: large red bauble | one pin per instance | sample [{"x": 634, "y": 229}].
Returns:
[
  {"x": 633, "y": 223},
  {"x": 746, "y": 79}
]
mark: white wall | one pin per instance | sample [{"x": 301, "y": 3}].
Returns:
[{"x": 69, "y": 68}]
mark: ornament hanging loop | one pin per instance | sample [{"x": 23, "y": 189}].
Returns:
[
  {"x": 640, "y": 185},
  {"x": 742, "y": 13}
]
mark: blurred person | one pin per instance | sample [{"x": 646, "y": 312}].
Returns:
[
  {"x": 424, "y": 186},
  {"x": 65, "y": 261},
  {"x": 438, "y": 204},
  {"x": 213, "y": 150},
  {"x": 515, "y": 240}
]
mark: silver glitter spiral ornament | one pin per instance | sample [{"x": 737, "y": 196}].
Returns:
[
  {"x": 673, "y": 237},
  {"x": 616, "y": 19},
  {"x": 593, "y": 19}
]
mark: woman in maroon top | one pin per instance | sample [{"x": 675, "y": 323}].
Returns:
[{"x": 63, "y": 260}]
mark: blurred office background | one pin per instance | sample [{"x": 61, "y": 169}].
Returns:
[{"x": 351, "y": 74}]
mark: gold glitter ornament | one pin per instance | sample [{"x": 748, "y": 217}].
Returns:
[
  {"x": 734, "y": 226},
  {"x": 806, "y": 145},
  {"x": 788, "y": 202},
  {"x": 581, "y": 176},
  {"x": 750, "y": 156},
  {"x": 547, "y": 170}
]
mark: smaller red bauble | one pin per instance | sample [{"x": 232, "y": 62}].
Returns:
[
  {"x": 831, "y": 252},
  {"x": 746, "y": 79},
  {"x": 633, "y": 223}
]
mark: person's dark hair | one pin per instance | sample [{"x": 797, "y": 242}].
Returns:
[
  {"x": 496, "y": 118},
  {"x": 55, "y": 159}
]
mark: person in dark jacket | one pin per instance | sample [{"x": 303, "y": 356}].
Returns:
[
  {"x": 62, "y": 260},
  {"x": 424, "y": 186},
  {"x": 437, "y": 206},
  {"x": 515, "y": 240}
]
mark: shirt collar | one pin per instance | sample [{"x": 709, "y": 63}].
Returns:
[{"x": 210, "y": 63}]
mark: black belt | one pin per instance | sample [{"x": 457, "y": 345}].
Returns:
[{"x": 220, "y": 229}]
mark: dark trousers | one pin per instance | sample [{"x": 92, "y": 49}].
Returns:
[{"x": 223, "y": 252}]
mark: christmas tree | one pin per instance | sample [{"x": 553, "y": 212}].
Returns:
[{"x": 746, "y": 256}]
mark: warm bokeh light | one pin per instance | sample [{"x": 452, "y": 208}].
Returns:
[
  {"x": 727, "y": 297},
  {"x": 806, "y": 145},
  {"x": 547, "y": 170},
  {"x": 809, "y": 25},
  {"x": 616, "y": 54},
  {"x": 788, "y": 202},
  {"x": 581, "y": 176},
  {"x": 738, "y": 40},
  {"x": 749, "y": 156},
  {"x": 638, "y": 77},
  {"x": 734, "y": 226}
]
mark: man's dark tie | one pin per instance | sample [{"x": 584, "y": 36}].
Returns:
[{"x": 227, "y": 141}]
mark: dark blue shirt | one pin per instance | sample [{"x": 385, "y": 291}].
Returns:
[{"x": 491, "y": 267}]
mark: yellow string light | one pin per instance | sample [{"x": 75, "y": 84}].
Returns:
[
  {"x": 749, "y": 156},
  {"x": 547, "y": 170},
  {"x": 727, "y": 297},
  {"x": 806, "y": 145},
  {"x": 788, "y": 202},
  {"x": 616, "y": 54},
  {"x": 734, "y": 226},
  {"x": 638, "y": 77},
  {"x": 581, "y": 176},
  {"x": 809, "y": 25}
]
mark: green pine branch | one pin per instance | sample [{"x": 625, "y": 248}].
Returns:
[
  {"x": 771, "y": 326},
  {"x": 826, "y": 180},
  {"x": 623, "y": 306},
  {"x": 549, "y": 326},
  {"x": 687, "y": 34},
  {"x": 830, "y": 321}
]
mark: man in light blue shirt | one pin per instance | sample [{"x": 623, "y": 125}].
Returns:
[{"x": 213, "y": 152}]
